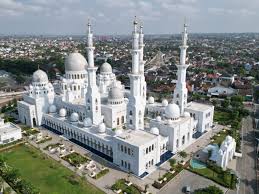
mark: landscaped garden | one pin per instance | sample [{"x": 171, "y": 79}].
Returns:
[
  {"x": 102, "y": 173},
  {"x": 230, "y": 112},
  {"x": 121, "y": 185},
  {"x": 175, "y": 169},
  {"x": 27, "y": 131},
  {"x": 75, "y": 159},
  {"x": 52, "y": 146},
  {"x": 44, "y": 173},
  {"x": 220, "y": 137},
  {"x": 217, "y": 174}
]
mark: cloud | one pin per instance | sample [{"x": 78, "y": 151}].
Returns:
[{"x": 223, "y": 11}]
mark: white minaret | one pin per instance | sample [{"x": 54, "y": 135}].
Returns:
[
  {"x": 143, "y": 83},
  {"x": 180, "y": 92},
  {"x": 135, "y": 108},
  {"x": 93, "y": 99}
]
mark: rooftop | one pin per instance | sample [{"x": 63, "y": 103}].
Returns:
[
  {"x": 8, "y": 128},
  {"x": 198, "y": 106}
]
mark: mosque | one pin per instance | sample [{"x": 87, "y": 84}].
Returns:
[{"x": 96, "y": 112}]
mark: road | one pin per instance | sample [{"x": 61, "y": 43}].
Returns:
[{"x": 246, "y": 164}]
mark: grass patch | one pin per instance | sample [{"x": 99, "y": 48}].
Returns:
[
  {"x": 216, "y": 174},
  {"x": 120, "y": 184},
  {"x": 219, "y": 139},
  {"x": 223, "y": 118},
  {"x": 46, "y": 174},
  {"x": 75, "y": 159},
  {"x": 102, "y": 173}
]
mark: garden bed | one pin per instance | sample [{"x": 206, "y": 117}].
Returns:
[
  {"x": 45, "y": 139},
  {"x": 75, "y": 159},
  {"x": 121, "y": 185},
  {"x": 102, "y": 173}
]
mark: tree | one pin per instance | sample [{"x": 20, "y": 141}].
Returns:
[
  {"x": 209, "y": 190},
  {"x": 183, "y": 154},
  {"x": 225, "y": 103}
]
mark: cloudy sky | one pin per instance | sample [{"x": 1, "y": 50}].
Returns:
[{"x": 115, "y": 16}]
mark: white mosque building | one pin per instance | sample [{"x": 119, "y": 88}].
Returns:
[{"x": 92, "y": 110}]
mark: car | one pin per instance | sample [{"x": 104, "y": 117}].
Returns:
[{"x": 187, "y": 189}]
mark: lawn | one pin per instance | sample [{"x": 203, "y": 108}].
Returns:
[
  {"x": 219, "y": 139},
  {"x": 222, "y": 178},
  {"x": 223, "y": 118},
  {"x": 47, "y": 175}
]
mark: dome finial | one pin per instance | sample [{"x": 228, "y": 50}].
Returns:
[
  {"x": 89, "y": 25},
  {"x": 135, "y": 23}
]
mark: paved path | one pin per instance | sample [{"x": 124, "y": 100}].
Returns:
[{"x": 246, "y": 164}]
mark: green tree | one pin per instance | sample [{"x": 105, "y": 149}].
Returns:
[{"x": 209, "y": 190}]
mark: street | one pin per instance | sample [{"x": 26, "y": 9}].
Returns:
[{"x": 246, "y": 164}]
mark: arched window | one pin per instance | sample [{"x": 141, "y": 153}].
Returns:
[
  {"x": 183, "y": 140},
  {"x": 122, "y": 119},
  {"x": 118, "y": 121},
  {"x": 177, "y": 95},
  {"x": 177, "y": 143},
  {"x": 130, "y": 112}
]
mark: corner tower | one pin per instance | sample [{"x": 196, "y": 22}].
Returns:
[
  {"x": 136, "y": 107},
  {"x": 93, "y": 99},
  {"x": 180, "y": 91}
]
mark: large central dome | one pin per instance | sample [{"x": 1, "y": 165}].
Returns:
[{"x": 75, "y": 62}]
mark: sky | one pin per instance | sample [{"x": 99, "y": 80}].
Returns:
[{"x": 69, "y": 17}]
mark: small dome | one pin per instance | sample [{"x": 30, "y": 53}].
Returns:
[
  {"x": 75, "y": 62},
  {"x": 151, "y": 100},
  {"x": 62, "y": 112},
  {"x": 158, "y": 118},
  {"x": 115, "y": 93},
  {"x": 106, "y": 68},
  {"x": 186, "y": 114},
  {"x": 164, "y": 102},
  {"x": 229, "y": 139},
  {"x": 154, "y": 130},
  {"x": 118, "y": 132},
  {"x": 39, "y": 76},
  {"x": 74, "y": 117},
  {"x": 52, "y": 108},
  {"x": 88, "y": 122},
  {"x": 102, "y": 128},
  {"x": 172, "y": 111}
]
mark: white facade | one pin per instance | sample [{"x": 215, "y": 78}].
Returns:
[
  {"x": 226, "y": 152},
  {"x": 9, "y": 132}
]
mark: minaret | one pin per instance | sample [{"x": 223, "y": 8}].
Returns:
[
  {"x": 93, "y": 99},
  {"x": 141, "y": 66},
  {"x": 135, "y": 108},
  {"x": 180, "y": 91},
  {"x": 141, "y": 48}
]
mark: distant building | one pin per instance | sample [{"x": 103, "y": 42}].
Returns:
[{"x": 9, "y": 132}]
